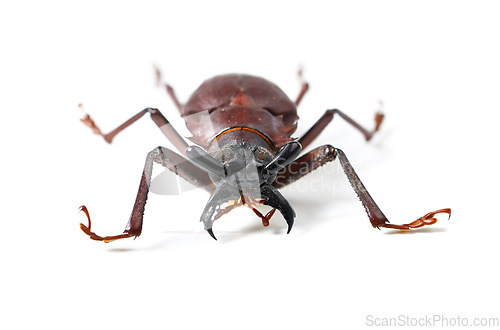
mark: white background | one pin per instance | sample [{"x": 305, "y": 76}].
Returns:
[{"x": 435, "y": 65}]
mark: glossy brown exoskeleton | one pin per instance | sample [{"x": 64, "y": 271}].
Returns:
[{"x": 243, "y": 153}]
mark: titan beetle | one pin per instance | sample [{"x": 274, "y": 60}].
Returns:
[{"x": 243, "y": 152}]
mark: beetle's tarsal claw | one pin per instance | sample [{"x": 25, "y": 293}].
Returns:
[
  {"x": 94, "y": 236},
  {"x": 426, "y": 220},
  {"x": 211, "y": 232}
]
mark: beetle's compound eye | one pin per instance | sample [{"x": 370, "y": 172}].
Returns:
[{"x": 227, "y": 154}]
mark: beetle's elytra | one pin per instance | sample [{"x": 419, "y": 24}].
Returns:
[{"x": 243, "y": 152}]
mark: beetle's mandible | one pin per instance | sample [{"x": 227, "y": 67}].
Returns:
[{"x": 243, "y": 152}]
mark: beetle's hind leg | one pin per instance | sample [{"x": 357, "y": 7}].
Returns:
[
  {"x": 324, "y": 154},
  {"x": 169, "y": 159},
  {"x": 304, "y": 86},
  {"x": 168, "y": 88}
]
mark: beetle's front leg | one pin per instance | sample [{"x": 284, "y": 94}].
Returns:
[
  {"x": 426, "y": 220},
  {"x": 169, "y": 159},
  {"x": 87, "y": 230},
  {"x": 377, "y": 218},
  {"x": 324, "y": 154}
]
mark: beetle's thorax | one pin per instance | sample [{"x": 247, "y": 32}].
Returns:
[
  {"x": 243, "y": 151},
  {"x": 205, "y": 125},
  {"x": 245, "y": 137}
]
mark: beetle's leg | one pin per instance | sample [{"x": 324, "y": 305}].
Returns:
[
  {"x": 304, "y": 87},
  {"x": 169, "y": 159},
  {"x": 426, "y": 220},
  {"x": 168, "y": 88},
  {"x": 87, "y": 230},
  {"x": 304, "y": 165},
  {"x": 324, "y": 154},
  {"x": 327, "y": 117},
  {"x": 162, "y": 122}
]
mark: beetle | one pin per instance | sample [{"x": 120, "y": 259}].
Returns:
[{"x": 243, "y": 152}]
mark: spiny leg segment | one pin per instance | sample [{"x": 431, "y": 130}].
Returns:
[
  {"x": 175, "y": 163},
  {"x": 324, "y": 154}
]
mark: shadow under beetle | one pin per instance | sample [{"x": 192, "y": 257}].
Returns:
[{"x": 244, "y": 152}]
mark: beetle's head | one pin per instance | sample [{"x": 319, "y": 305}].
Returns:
[{"x": 243, "y": 163}]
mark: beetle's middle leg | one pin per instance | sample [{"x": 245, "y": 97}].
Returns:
[
  {"x": 169, "y": 159},
  {"x": 162, "y": 122},
  {"x": 327, "y": 117},
  {"x": 324, "y": 154}
]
